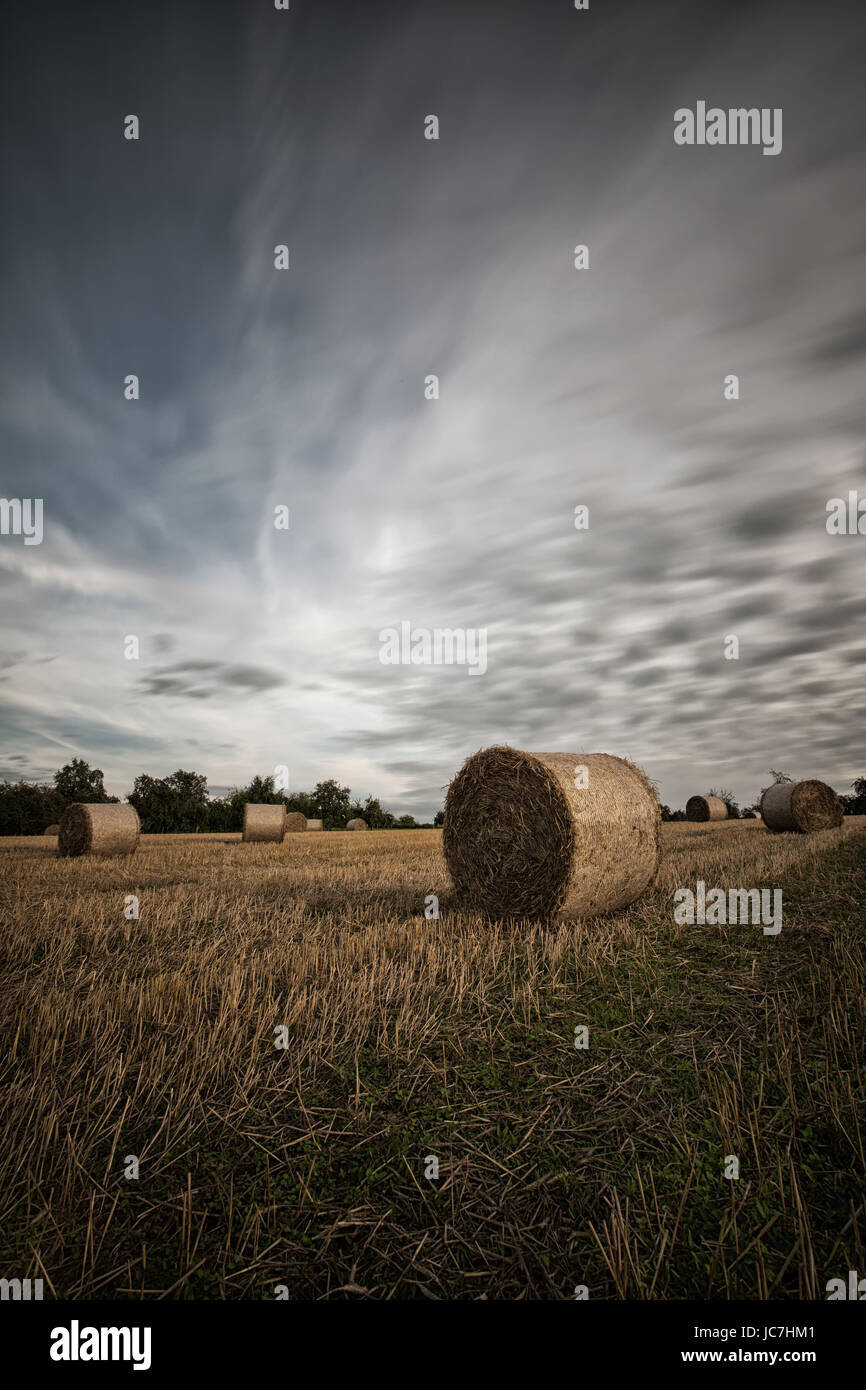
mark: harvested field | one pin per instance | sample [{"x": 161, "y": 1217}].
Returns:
[{"x": 408, "y": 1037}]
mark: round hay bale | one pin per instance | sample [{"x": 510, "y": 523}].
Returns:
[
  {"x": 522, "y": 839},
  {"x": 51, "y": 830},
  {"x": 315, "y": 825},
  {"x": 357, "y": 824},
  {"x": 98, "y": 828},
  {"x": 264, "y": 823},
  {"x": 295, "y": 822},
  {"x": 801, "y": 806},
  {"x": 706, "y": 808}
]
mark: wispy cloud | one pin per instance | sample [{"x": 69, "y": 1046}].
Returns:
[{"x": 558, "y": 388}]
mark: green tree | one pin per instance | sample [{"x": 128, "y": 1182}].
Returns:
[
  {"x": 303, "y": 802},
  {"x": 78, "y": 781},
  {"x": 219, "y": 815},
  {"x": 855, "y": 805},
  {"x": 372, "y": 813},
  {"x": 171, "y": 805},
  {"x": 375, "y": 816},
  {"x": 26, "y": 808},
  {"x": 228, "y": 814},
  {"x": 261, "y": 792},
  {"x": 332, "y": 803}
]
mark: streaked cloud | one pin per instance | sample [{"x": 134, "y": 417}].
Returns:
[{"x": 558, "y": 388}]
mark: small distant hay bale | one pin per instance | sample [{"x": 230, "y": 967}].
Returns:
[
  {"x": 357, "y": 824},
  {"x": 801, "y": 806},
  {"x": 706, "y": 808},
  {"x": 51, "y": 830},
  {"x": 264, "y": 823},
  {"x": 315, "y": 825},
  {"x": 295, "y": 822},
  {"x": 98, "y": 828},
  {"x": 524, "y": 839}
]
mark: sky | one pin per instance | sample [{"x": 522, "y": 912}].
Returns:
[{"x": 304, "y": 388}]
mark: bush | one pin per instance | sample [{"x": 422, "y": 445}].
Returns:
[{"x": 27, "y": 807}]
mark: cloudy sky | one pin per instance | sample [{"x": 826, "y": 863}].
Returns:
[{"x": 305, "y": 388}]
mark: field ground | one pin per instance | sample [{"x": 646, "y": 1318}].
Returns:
[{"x": 408, "y": 1037}]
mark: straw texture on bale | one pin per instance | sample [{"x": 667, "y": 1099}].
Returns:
[
  {"x": 357, "y": 824},
  {"x": 706, "y": 808},
  {"x": 315, "y": 825},
  {"x": 98, "y": 828},
  {"x": 522, "y": 839},
  {"x": 295, "y": 822},
  {"x": 51, "y": 830},
  {"x": 264, "y": 823},
  {"x": 801, "y": 806}
]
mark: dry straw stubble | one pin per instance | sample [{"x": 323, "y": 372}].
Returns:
[
  {"x": 98, "y": 828},
  {"x": 523, "y": 838},
  {"x": 264, "y": 823},
  {"x": 801, "y": 806},
  {"x": 701, "y": 808}
]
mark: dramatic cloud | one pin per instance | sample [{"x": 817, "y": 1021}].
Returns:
[
  {"x": 305, "y": 389},
  {"x": 203, "y": 679}
]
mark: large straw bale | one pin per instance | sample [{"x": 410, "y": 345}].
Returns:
[
  {"x": 98, "y": 828},
  {"x": 801, "y": 806},
  {"x": 706, "y": 808},
  {"x": 264, "y": 823},
  {"x": 524, "y": 837}
]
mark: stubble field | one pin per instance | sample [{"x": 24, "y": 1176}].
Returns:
[{"x": 408, "y": 1039}]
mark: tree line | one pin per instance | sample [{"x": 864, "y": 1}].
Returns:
[{"x": 181, "y": 803}]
